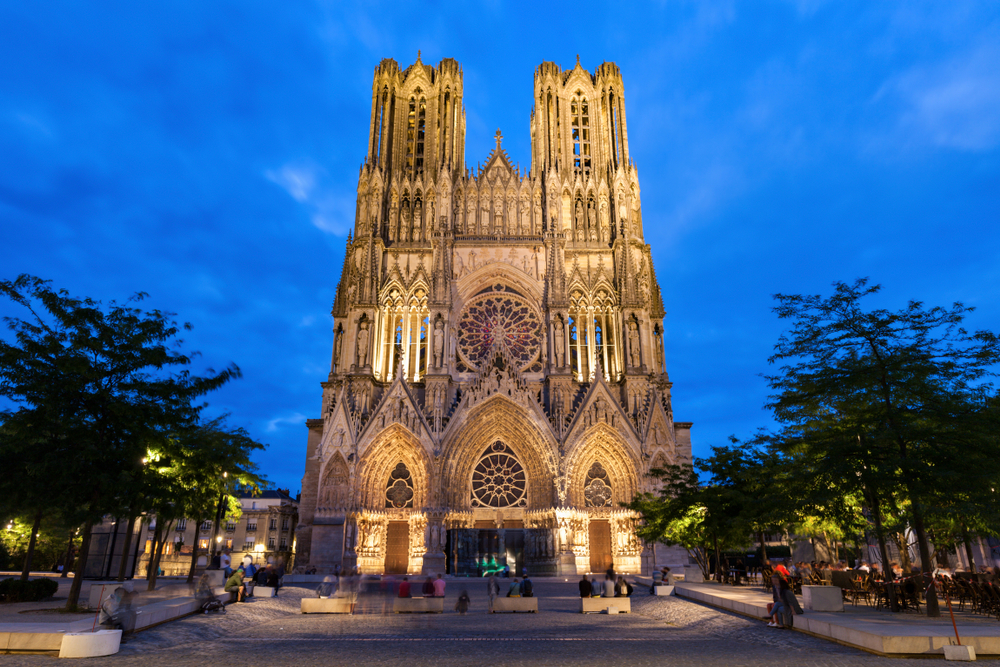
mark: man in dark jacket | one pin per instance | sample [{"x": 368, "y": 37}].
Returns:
[
  {"x": 527, "y": 588},
  {"x": 585, "y": 587}
]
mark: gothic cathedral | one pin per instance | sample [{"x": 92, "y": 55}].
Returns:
[{"x": 497, "y": 387}]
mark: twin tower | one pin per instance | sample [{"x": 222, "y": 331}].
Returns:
[{"x": 497, "y": 385}]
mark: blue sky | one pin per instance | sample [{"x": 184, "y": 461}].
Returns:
[{"x": 208, "y": 153}]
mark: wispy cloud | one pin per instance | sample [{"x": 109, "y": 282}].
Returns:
[
  {"x": 329, "y": 210},
  {"x": 955, "y": 104},
  {"x": 274, "y": 424}
]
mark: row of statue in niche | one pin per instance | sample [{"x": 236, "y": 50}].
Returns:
[{"x": 407, "y": 223}]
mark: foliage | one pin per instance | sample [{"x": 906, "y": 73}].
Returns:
[
  {"x": 886, "y": 406},
  {"x": 96, "y": 385},
  {"x": 15, "y": 590}
]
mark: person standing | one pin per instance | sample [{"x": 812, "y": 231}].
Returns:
[
  {"x": 226, "y": 563},
  {"x": 492, "y": 590}
]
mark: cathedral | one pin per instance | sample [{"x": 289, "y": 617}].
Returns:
[{"x": 497, "y": 386}]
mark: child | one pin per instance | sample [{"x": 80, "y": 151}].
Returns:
[{"x": 462, "y": 605}]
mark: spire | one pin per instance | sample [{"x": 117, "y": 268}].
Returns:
[{"x": 499, "y": 138}]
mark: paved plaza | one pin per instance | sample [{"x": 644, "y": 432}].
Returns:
[{"x": 660, "y": 631}]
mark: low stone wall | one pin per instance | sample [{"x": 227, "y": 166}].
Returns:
[
  {"x": 418, "y": 605},
  {"x": 514, "y": 605},
  {"x": 327, "y": 605},
  {"x": 598, "y": 605}
]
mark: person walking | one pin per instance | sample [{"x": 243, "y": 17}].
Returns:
[{"x": 492, "y": 590}]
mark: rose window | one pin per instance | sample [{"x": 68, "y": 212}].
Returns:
[
  {"x": 499, "y": 317},
  {"x": 499, "y": 480},
  {"x": 399, "y": 488},
  {"x": 597, "y": 487}
]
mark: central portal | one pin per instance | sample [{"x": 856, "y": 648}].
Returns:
[{"x": 397, "y": 547}]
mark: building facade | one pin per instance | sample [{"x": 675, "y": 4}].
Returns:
[
  {"x": 265, "y": 531},
  {"x": 497, "y": 385}
]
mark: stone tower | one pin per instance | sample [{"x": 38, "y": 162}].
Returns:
[{"x": 497, "y": 386}]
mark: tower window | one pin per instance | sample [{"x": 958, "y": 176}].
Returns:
[
  {"x": 580, "y": 116},
  {"x": 411, "y": 126},
  {"x": 421, "y": 126}
]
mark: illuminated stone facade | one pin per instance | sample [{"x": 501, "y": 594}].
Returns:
[{"x": 497, "y": 386}]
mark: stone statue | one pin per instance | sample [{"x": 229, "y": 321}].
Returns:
[
  {"x": 404, "y": 226},
  {"x": 363, "y": 345},
  {"x": 560, "y": 344},
  {"x": 658, "y": 362},
  {"x": 418, "y": 223},
  {"x": 337, "y": 347},
  {"x": 438, "y": 343},
  {"x": 633, "y": 345},
  {"x": 459, "y": 266}
]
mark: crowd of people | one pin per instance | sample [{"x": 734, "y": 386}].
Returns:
[{"x": 613, "y": 586}]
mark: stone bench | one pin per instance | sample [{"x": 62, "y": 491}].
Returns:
[
  {"x": 90, "y": 644},
  {"x": 327, "y": 605},
  {"x": 663, "y": 590},
  {"x": 418, "y": 605},
  {"x": 599, "y": 605},
  {"x": 264, "y": 592},
  {"x": 822, "y": 598},
  {"x": 514, "y": 605}
]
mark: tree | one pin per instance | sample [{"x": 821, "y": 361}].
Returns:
[
  {"x": 102, "y": 380},
  {"x": 890, "y": 403},
  {"x": 189, "y": 473}
]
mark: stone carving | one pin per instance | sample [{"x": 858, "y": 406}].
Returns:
[
  {"x": 635, "y": 357},
  {"x": 559, "y": 340},
  {"x": 363, "y": 345},
  {"x": 438, "y": 343}
]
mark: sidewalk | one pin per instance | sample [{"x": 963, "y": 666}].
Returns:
[{"x": 882, "y": 632}]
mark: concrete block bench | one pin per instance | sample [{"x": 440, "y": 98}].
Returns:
[
  {"x": 598, "y": 605},
  {"x": 663, "y": 590},
  {"x": 514, "y": 605},
  {"x": 264, "y": 592},
  {"x": 328, "y": 605},
  {"x": 418, "y": 605},
  {"x": 90, "y": 644},
  {"x": 822, "y": 598}
]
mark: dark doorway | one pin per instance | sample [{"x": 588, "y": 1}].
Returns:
[
  {"x": 600, "y": 546},
  {"x": 397, "y": 547}
]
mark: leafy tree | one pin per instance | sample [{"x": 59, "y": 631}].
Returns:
[
  {"x": 105, "y": 380},
  {"x": 191, "y": 471},
  {"x": 890, "y": 403}
]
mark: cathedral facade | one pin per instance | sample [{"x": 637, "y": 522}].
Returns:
[{"x": 497, "y": 385}]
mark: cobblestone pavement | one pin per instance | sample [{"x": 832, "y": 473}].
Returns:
[{"x": 272, "y": 633}]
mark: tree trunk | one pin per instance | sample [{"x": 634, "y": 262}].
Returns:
[
  {"x": 159, "y": 554},
  {"x": 763, "y": 549},
  {"x": 81, "y": 567},
  {"x": 152, "y": 564},
  {"x": 968, "y": 549},
  {"x": 718, "y": 560},
  {"x": 123, "y": 566},
  {"x": 69, "y": 555},
  {"x": 926, "y": 567},
  {"x": 194, "y": 554},
  {"x": 888, "y": 575},
  {"x": 31, "y": 546}
]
